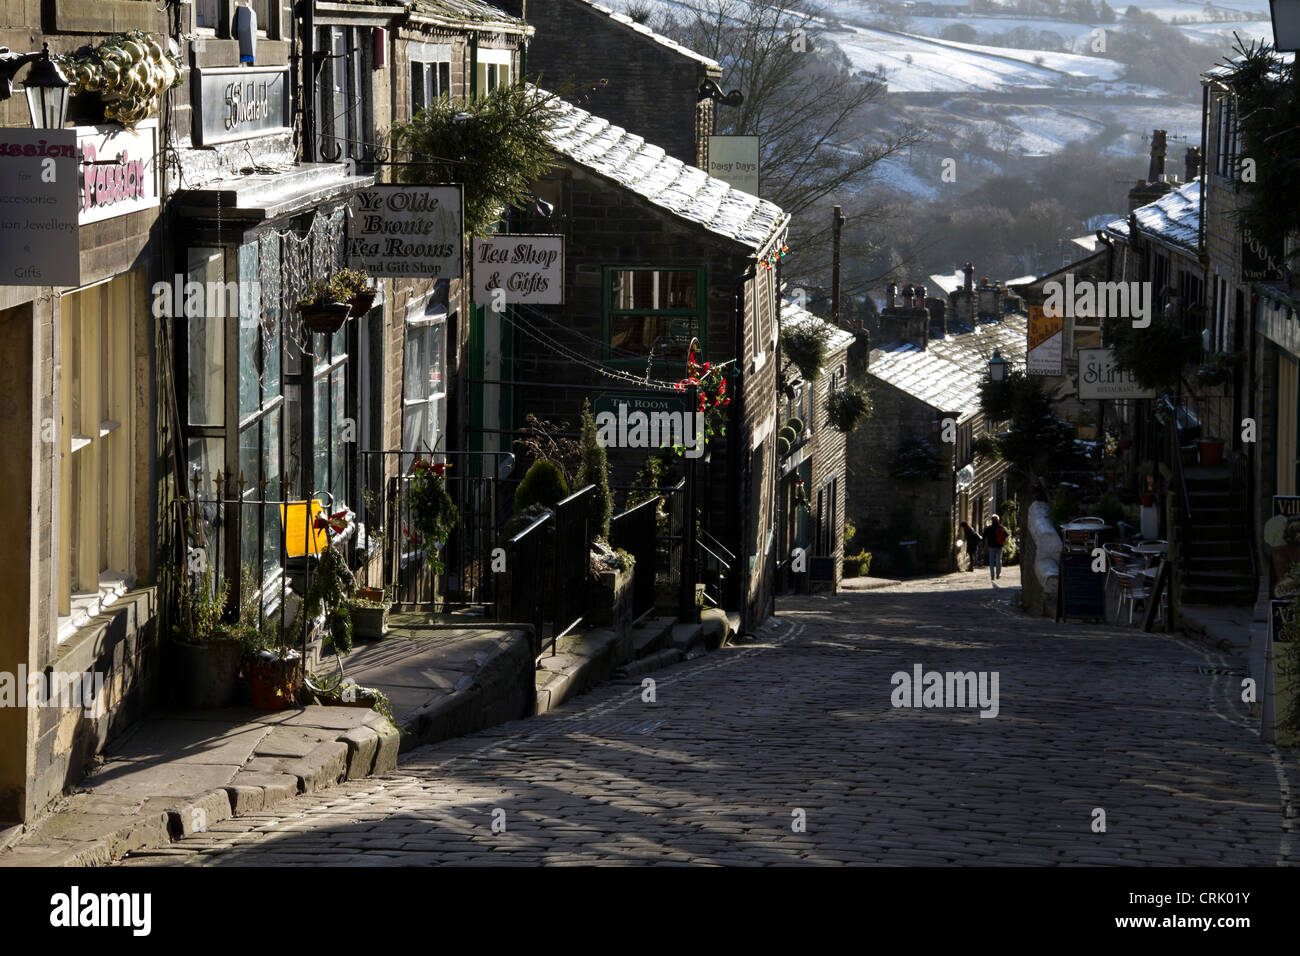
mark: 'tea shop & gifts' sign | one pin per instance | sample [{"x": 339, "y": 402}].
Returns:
[
  {"x": 407, "y": 231},
  {"x": 38, "y": 207},
  {"x": 526, "y": 269},
  {"x": 119, "y": 170}
]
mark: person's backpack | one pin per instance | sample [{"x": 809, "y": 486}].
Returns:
[{"x": 1000, "y": 536}]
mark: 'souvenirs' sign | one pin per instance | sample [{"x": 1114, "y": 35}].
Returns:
[
  {"x": 38, "y": 207},
  {"x": 526, "y": 269},
  {"x": 407, "y": 231}
]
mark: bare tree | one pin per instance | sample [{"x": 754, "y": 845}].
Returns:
[{"x": 812, "y": 114}]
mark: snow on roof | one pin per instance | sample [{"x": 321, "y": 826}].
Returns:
[
  {"x": 466, "y": 11},
  {"x": 792, "y": 316},
  {"x": 947, "y": 373},
  {"x": 1174, "y": 217},
  {"x": 647, "y": 170},
  {"x": 656, "y": 37},
  {"x": 946, "y": 283}
]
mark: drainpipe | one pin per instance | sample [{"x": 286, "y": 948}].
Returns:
[
  {"x": 1205, "y": 131},
  {"x": 309, "y": 80},
  {"x": 473, "y": 66}
]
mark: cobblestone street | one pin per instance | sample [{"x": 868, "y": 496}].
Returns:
[{"x": 787, "y": 750}]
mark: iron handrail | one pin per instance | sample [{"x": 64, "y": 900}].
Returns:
[{"x": 1241, "y": 463}]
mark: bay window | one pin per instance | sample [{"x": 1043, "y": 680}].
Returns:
[
  {"x": 345, "y": 116},
  {"x": 95, "y": 464}
]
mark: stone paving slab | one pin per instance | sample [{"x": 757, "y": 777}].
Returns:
[{"x": 173, "y": 776}]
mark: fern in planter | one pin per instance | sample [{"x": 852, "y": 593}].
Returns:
[
  {"x": 848, "y": 407},
  {"x": 502, "y": 136},
  {"x": 1268, "y": 121},
  {"x": 806, "y": 345}
]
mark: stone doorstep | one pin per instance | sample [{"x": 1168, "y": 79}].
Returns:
[{"x": 96, "y": 829}]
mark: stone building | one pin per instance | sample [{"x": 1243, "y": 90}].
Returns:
[
  {"x": 625, "y": 72},
  {"x": 813, "y": 470},
  {"x": 913, "y": 474},
  {"x": 657, "y": 253}
]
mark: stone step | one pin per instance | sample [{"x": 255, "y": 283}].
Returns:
[
  {"x": 1236, "y": 596},
  {"x": 652, "y": 636}
]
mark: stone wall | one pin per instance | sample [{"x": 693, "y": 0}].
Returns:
[{"x": 652, "y": 89}]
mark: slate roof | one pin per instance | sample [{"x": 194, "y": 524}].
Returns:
[
  {"x": 946, "y": 374},
  {"x": 692, "y": 194},
  {"x": 655, "y": 37},
  {"x": 1174, "y": 217},
  {"x": 467, "y": 11},
  {"x": 792, "y": 317}
]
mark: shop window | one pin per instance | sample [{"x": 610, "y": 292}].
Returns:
[
  {"x": 430, "y": 74},
  {"x": 654, "y": 311},
  {"x": 424, "y": 391},
  {"x": 346, "y": 94},
  {"x": 333, "y": 429},
  {"x": 95, "y": 465}
]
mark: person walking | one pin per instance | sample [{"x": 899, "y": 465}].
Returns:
[
  {"x": 995, "y": 535},
  {"x": 972, "y": 539}
]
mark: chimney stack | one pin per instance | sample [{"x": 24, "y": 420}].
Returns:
[
  {"x": 1192, "y": 163},
  {"x": 891, "y": 293},
  {"x": 1157, "y": 167},
  {"x": 968, "y": 271}
]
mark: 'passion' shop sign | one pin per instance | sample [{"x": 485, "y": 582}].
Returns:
[
  {"x": 525, "y": 268},
  {"x": 407, "y": 231},
  {"x": 119, "y": 170}
]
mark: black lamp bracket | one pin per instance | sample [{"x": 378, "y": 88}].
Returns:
[
  {"x": 709, "y": 90},
  {"x": 10, "y": 64}
]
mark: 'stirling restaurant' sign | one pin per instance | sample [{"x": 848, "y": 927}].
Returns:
[
  {"x": 410, "y": 231},
  {"x": 1100, "y": 377},
  {"x": 526, "y": 268},
  {"x": 240, "y": 103}
]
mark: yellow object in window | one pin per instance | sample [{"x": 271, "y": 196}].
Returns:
[{"x": 301, "y": 535}]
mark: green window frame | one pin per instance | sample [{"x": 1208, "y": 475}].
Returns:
[{"x": 615, "y": 318}]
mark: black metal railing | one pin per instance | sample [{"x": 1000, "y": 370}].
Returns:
[
  {"x": 573, "y": 537},
  {"x": 482, "y": 504},
  {"x": 527, "y": 563},
  {"x": 636, "y": 531},
  {"x": 1241, "y": 487}
]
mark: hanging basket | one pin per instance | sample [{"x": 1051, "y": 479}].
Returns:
[
  {"x": 362, "y": 303},
  {"x": 327, "y": 318}
]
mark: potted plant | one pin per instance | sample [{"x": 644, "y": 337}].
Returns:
[
  {"x": 369, "y": 609},
  {"x": 205, "y": 650},
  {"x": 323, "y": 308},
  {"x": 1211, "y": 450},
  {"x": 856, "y": 565},
  {"x": 353, "y": 286},
  {"x": 847, "y": 407},
  {"x": 339, "y": 691}
]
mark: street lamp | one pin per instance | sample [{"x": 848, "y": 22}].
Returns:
[
  {"x": 997, "y": 367},
  {"x": 46, "y": 86},
  {"x": 1286, "y": 25}
]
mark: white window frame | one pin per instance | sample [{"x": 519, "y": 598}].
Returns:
[
  {"x": 96, "y": 328},
  {"x": 500, "y": 61},
  {"x": 425, "y": 314},
  {"x": 429, "y": 59}
]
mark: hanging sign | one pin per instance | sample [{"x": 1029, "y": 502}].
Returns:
[
  {"x": 413, "y": 232},
  {"x": 240, "y": 102},
  {"x": 1046, "y": 333},
  {"x": 1101, "y": 378},
  {"x": 119, "y": 171},
  {"x": 527, "y": 269},
  {"x": 38, "y": 207},
  {"x": 734, "y": 160}
]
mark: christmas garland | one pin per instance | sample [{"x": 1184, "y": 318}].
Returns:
[{"x": 433, "y": 513}]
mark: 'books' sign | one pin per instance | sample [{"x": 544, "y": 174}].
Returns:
[{"x": 407, "y": 231}]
